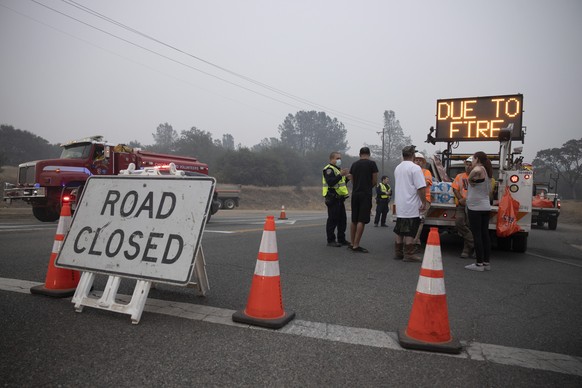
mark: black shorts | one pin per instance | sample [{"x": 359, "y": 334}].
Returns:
[
  {"x": 361, "y": 207},
  {"x": 407, "y": 226}
]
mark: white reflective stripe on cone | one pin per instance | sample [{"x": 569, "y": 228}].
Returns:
[
  {"x": 57, "y": 246},
  {"x": 432, "y": 258},
  {"x": 267, "y": 268},
  {"x": 268, "y": 242},
  {"x": 431, "y": 286},
  {"x": 64, "y": 225}
]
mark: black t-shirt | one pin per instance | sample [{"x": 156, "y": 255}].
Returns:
[{"x": 362, "y": 171}]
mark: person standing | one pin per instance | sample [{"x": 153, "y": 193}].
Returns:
[
  {"x": 460, "y": 186},
  {"x": 410, "y": 201},
  {"x": 478, "y": 209},
  {"x": 383, "y": 195},
  {"x": 335, "y": 192},
  {"x": 364, "y": 175},
  {"x": 420, "y": 161}
]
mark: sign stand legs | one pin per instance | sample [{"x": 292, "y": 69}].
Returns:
[{"x": 107, "y": 300}]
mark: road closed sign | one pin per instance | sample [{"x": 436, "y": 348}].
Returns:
[{"x": 144, "y": 227}]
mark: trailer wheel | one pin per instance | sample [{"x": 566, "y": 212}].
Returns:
[
  {"x": 229, "y": 204},
  {"x": 220, "y": 204},
  {"x": 46, "y": 214},
  {"x": 552, "y": 223}
]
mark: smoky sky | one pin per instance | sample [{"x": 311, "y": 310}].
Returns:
[{"x": 71, "y": 69}]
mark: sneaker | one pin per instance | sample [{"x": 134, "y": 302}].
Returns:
[
  {"x": 334, "y": 244},
  {"x": 345, "y": 243},
  {"x": 475, "y": 267},
  {"x": 487, "y": 266},
  {"x": 375, "y": 225},
  {"x": 384, "y": 225}
]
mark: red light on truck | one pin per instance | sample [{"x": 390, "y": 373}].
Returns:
[
  {"x": 66, "y": 198},
  {"x": 526, "y": 176},
  {"x": 514, "y": 179}
]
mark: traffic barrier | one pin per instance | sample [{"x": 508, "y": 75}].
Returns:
[
  {"x": 265, "y": 302},
  {"x": 282, "y": 215},
  {"x": 428, "y": 326},
  {"x": 59, "y": 283}
]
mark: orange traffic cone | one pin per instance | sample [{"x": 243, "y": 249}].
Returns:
[
  {"x": 282, "y": 216},
  {"x": 265, "y": 303},
  {"x": 428, "y": 327},
  {"x": 59, "y": 283}
]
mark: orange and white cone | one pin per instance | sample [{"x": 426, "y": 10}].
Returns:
[
  {"x": 428, "y": 327},
  {"x": 59, "y": 283},
  {"x": 282, "y": 215},
  {"x": 265, "y": 302}
]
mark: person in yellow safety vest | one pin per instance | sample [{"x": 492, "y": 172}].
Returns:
[
  {"x": 460, "y": 186},
  {"x": 383, "y": 196},
  {"x": 420, "y": 160},
  {"x": 335, "y": 192}
]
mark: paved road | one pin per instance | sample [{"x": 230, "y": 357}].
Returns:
[{"x": 519, "y": 323}]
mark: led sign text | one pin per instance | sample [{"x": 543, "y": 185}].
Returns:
[{"x": 478, "y": 118}]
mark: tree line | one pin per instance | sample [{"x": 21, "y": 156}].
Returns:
[{"x": 296, "y": 157}]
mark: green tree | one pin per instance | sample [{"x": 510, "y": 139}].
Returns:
[
  {"x": 313, "y": 131},
  {"x": 18, "y": 146},
  {"x": 197, "y": 143},
  {"x": 228, "y": 142},
  {"x": 164, "y": 139},
  {"x": 566, "y": 162}
]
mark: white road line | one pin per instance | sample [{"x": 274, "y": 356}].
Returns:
[
  {"x": 556, "y": 260},
  {"x": 526, "y": 358}
]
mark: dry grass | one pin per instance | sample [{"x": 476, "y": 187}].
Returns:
[{"x": 293, "y": 198}]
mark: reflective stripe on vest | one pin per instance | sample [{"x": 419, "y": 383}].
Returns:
[
  {"x": 340, "y": 188},
  {"x": 384, "y": 190}
]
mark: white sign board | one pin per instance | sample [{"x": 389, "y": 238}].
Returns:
[{"x": 141, "y": 227}]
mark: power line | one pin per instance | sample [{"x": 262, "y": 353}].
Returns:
[
  {"x": 246, "y": 78},
  {"x": 358, "y": 125}
]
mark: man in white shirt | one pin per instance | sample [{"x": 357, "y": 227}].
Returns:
[{"x": 410, "y": 201}]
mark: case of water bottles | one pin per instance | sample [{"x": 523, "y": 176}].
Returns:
[{"x": 442, "y": 192}]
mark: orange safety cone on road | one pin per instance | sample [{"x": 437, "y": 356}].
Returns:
[
  {"x": 265, "y": 302},
  {"x": 283, "y": 216},
  {"x": 428, "y": 327},
  {"x": 59, "y": 283}
]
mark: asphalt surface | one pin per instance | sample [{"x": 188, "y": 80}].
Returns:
[{"x": 346, "y": 303}]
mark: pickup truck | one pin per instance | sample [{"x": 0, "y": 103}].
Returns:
[{"x": 545, "y": 206}]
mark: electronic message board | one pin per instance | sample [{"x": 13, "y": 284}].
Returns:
[{"x": 478, "y": 118}]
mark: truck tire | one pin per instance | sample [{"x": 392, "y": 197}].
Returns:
[
  {"x": 229, "y": 203},
  {"x": 540, "y": 223},
  {"x": 46, "y": 214},
  {"x": 220, "y": 204},
  {"x": 504, "y": 243},
  {"x": 519, "y": 243},
  {"x": 552, "y": 223}
]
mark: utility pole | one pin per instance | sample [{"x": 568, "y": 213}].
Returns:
[{"x": 382, "y": 170}]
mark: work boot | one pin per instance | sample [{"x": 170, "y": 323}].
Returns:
[
  {"x": 398, "y": 251},
  {"x": 410, "y": 254},
  {"x": 467, "y": 251}
]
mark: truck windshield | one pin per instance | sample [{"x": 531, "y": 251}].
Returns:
[{"x": 76, "y": 151}]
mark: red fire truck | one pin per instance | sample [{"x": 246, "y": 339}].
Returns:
[{"x": 46, "y": 184}]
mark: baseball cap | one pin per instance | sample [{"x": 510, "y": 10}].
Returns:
[
  {"x": 469, "y": 159},
  {"x": 419, "y": 155}
]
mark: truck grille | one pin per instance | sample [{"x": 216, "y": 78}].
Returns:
[{"x": 26, "y": 175}]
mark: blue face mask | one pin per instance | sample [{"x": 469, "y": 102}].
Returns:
[{"x": 338, "y": 163}]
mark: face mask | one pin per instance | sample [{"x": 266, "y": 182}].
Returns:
[{"x": 338, "y": 162}]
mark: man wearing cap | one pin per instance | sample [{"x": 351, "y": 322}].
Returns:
[
  {"x": 410, "y": 201},
  {"x": 383, "y": 195},
  {"x": 460, "y": 185}
]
